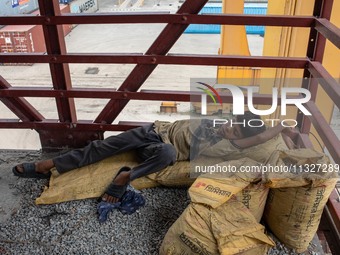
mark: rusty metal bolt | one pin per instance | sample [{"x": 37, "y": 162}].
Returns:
[
  {"x": 54, "y": 59},
  {"x": 153, "y": 60},
  {"x": 184, "y": 18},
  {"x": 70, "y": 137},
  {"x": 125, "y": 95},
  {"x": 48, "y": 20}
]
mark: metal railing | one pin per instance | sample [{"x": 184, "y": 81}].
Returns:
[{"x": 67, "y": 130}]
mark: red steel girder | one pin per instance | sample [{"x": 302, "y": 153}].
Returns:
[
  {"x": 140, "y": 73},
  {"x": 170, "y": 59},
  {"x": 121, "y": 18},
  {"x": 55, "y": 139},
  {"x": 325, "y": 131},
  {"x": 55, "y": 44},
  {"x": 330, "y": 222},
  {"x": 55, "y": 127},
  {"x": 333, "y": 206},
  {"x": 155, "y": 95},
  {"x": 328, "y": 30},
  {"x": 328, "y": 83},
  {"x": 18, "y": 105},
  {"x": 315, "y": 52}
]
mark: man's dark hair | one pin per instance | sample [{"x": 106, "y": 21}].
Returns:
[{"x": 247, "y": 130}]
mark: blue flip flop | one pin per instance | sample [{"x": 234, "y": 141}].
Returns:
[{"x": 29, "y": 172}]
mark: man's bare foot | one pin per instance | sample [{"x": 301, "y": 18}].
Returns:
[{"x": 118, "y": 186}]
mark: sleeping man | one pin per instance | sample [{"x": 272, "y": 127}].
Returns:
[{"x": 158, "y": 145}]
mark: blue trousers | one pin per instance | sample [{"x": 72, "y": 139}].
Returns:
[{"x": 154, "y": 154}]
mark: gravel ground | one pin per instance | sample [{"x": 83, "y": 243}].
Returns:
[{"x": 73, "y": 227}]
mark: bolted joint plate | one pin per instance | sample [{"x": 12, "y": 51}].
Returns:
[{"x": 55, "y": 140}]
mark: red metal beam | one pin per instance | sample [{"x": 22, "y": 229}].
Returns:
[
  {"x": 161, "y": 46},
  {"x": 151, "y": 60},
  {"x": 98, "y": 93},
  {"x": 333, "y": 206},
  {"x": 303, "y": 141},
  {"x": 121, "y": 18},
  {"x": 55, "y": 45},
  {"x": 325, "y": 131},
  {"x": 133, "y": 124},
  {"x": 18, "y": 105},
  {"x": 328, "y": 30},
  {"x": 56, "y": 126},
  {"x": 315, "y": 52},
  {"x": 155, "y": 95},
  {"x": 328, "y": 83},
  {"x": 330, "y": 222},
  {"x": 324, "y": 12},
  {"x": 61, "y": 79}
]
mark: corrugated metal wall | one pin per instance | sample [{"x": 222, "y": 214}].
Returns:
[{"x": 84, "y": 6}]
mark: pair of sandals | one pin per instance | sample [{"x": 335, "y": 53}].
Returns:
[{"x": 29, "y": 171}]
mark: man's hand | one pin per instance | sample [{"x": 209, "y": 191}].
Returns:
[{"x": 290, "y": 135}]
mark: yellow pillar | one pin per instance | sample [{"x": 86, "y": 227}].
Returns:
[
  {"x": 285, "y": 42},
  {"x": 293, "y": 42},
  {"x": 234, "y": 42}
]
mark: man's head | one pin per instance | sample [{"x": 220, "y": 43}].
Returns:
[
  {"x": 247, "y": 130},
  {"x": 242, "y": 130}
]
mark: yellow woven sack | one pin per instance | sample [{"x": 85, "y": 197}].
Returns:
[
  {"x": 217, "y": 188},
  {"x": 229, "y": 229},
  {"x": 297, "y": 199},
  {"x": 254, "y": 197}
]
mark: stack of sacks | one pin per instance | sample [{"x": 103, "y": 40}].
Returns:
[
  {"x": 300, "y": 183},
  {"x": 227, "y": 229},
  {"x": 296, "y": 199},
  {"x": 220, "y": 218}
]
